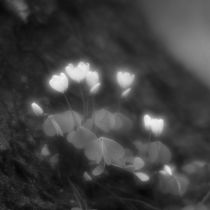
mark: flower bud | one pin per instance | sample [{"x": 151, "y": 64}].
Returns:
[{"x": 37, "y": 110}]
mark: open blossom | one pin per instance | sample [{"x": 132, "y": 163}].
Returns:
[
  {"x": 59, "y": 82},
  {"x": 93, "y": 81},
  {"x": 155, "y": 125},
  {"x": 147, "y": 121},
  {"x": 37, "y": 110},
  {"x": 77, "y": 73},
  {"x": 125, "y": 79}
]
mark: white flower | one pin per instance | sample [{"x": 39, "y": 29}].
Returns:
[
  {"x": 92, "y": 79},
  {"x": 155, "y": 125},
  {"x": 147, "y": 121},
  {"x": 125, "y": 79},
  {"x": 37, "y": 110},
  {"x": 167, "y": 170},
  {"x": 77, "y": 73},
  {"x": 59, "y": 82}
]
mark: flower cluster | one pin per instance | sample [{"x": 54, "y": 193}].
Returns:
[
  {"x": 76, "y": 73},
  {"x": 88, "y": 132}
]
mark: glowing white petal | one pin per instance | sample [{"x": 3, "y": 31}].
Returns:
[
  {"x": 157, "y": 126},
  {"x": 77, "y": 73},
  {"x": 125, "y": 79},
  {"x": 147, "y": 121},
  {"x": 59, "y": 82},
  {"x": 37, "y": 109},
  {"x": 92, "y": 78}
]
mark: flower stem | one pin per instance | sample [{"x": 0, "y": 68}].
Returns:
[
  {"x": 206, "y": 197},
  {"x": 93, "y": 111},
  {"x": 81, "y": 203},
  {"x": 150, "y": 136},
  {"x": 72, "y": 111},
  {"x": 83, "y": 100},
  {"x": 119, "y": 103}
]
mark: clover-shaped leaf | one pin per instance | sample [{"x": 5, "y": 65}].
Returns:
[
  {"x": 81, "y": 137},
  {"x": 104, "y": 149},
  {"x": 138, "y": 163},
  {"x": 61, "y": 123},
  {"x": 158, "y": 153},
  {"x": 104, "y": 120},
  {"x": 88, "y": 124},
  {"x": 93, "y": 151},
  {"x": 113, "y": 152},
  {"x": 142, "y": 147},
  {"x": 194, "y": 167},
  {"x": 122, "y": 122},
  {"x": 176, "y": 184}
]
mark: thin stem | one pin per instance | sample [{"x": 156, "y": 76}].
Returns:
[
  {"x": 83, "y": 100},
  {"x": 206, "y": 197},
  {"x": 70, "y": 108},
  {"x": 87, "y": 106},
  {"x": 68, "y": 102},
  {"x": 150, "y": 136},
  {"x": 111, "y": 193},
  {"x": 93, "y": 110},
  {"x": 127, "y": 199},
  {"x": 119, "y": 103},
  {"x": 78, "y": 196}
]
